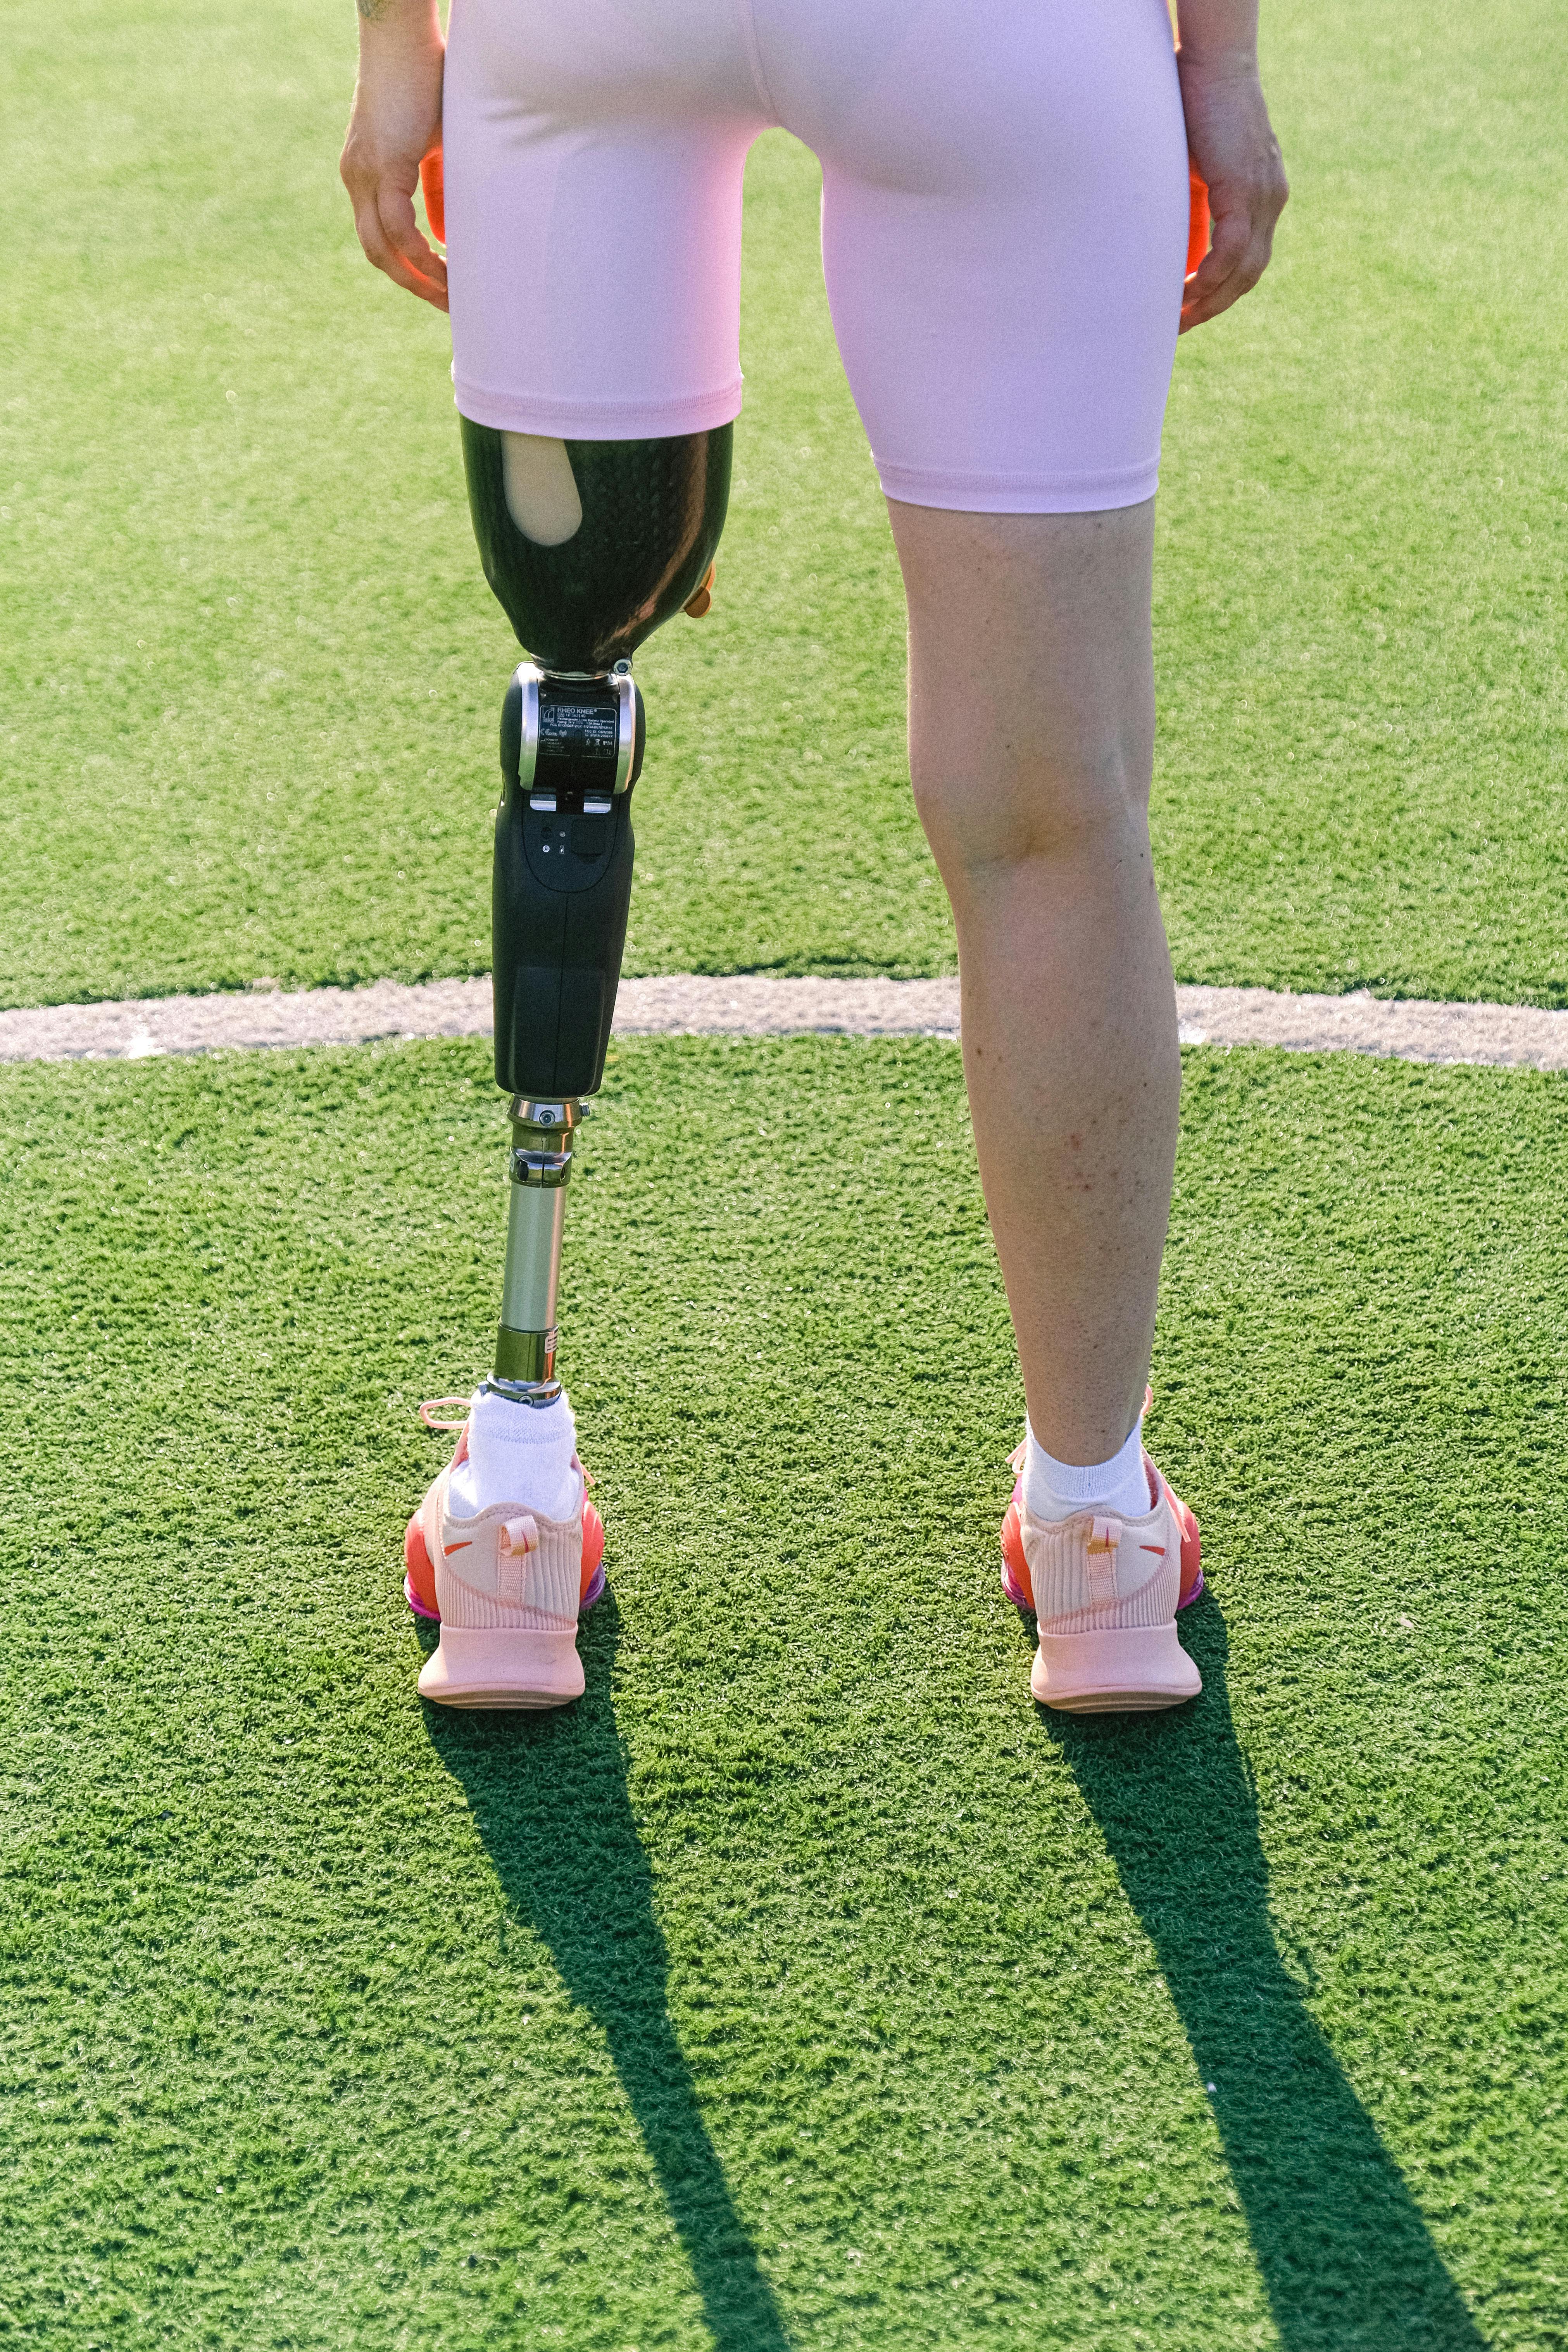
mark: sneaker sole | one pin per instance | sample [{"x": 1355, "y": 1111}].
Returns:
[
  {"x": 1121, "y": 1673},
  {"x": 503, "y": 1668}
]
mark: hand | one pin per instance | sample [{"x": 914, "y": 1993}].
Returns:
[
  {"x": 1234, "y": 150},
  {"x": 394, "y": 124}
]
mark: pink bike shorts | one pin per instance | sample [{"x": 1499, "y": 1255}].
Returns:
[{"x": 1004, "y": 203}]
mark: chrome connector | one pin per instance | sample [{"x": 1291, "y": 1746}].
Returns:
[
  {"x": 539, "y": 1167},
  {"x": 626, "y": 724},
  {"x": 571, "y": 734},
  {"x": 525, "y": 1359},
  {"x": 542, "y": 1147},
  {"x": 535, "y": 1392},
  {"x": 566, "y": 1112},
  {"x": 528, "y": 676}
]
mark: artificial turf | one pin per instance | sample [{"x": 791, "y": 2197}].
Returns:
[
  {"x": 250, "y": 673},
  {"x": 804, "y": 1985}
]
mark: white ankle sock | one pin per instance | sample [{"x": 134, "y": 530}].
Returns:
[
  {"x": 1056, "y": 1490},
  {"x": 517, "y": 1454}
]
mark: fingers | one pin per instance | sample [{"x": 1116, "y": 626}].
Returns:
[
  {"x": 1218, "y": 281},
  {"x": 383, "y": 216},
  {"x": 1238, "y": 256},
  {"x": 394, "y": 208}
]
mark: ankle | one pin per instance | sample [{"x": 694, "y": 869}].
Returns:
[{"x": 1058, "y": 1490}]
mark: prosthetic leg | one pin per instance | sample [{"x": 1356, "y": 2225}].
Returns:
[{"x": 589, "y": 545}]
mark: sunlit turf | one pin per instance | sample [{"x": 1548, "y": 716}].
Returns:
[
  {"x": 250, "y": 673},
  {"x": 804, "y": 1985}
]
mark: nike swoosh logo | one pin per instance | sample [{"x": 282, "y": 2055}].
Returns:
[{"x": 448, "y": 1549}]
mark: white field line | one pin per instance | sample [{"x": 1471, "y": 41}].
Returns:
[{"x": 754, "y": 1004}]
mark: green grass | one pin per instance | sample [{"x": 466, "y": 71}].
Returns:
[
  {"x": 250, "y": 673},
  {"x": 804, "y": 1985}
]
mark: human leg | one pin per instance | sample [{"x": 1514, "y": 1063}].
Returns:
[
  {"x": 1005, "y": 210},
  {"x": 1031, "y": 735},
  {"x": 591, "y": 175},
  {"x": 1031, "y": 744},
  {"x": 1005, "y": 203}
]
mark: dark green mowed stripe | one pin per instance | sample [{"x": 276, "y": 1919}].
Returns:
[{"x": 803, "y": 1985}]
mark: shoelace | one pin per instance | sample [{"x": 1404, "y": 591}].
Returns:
[{"x": 434, "y": 1405}]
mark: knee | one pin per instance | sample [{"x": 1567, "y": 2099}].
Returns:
[{"x": 1030, "y": 804}]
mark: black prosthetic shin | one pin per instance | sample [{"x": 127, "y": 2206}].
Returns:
[
  {"x": 571, "y": 744},
  {"x": 570, "y": 754}
]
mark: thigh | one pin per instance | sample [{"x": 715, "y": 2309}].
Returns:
[
  {"x": 1004, "y": 212},
  {"x": 594, "y": 159}
]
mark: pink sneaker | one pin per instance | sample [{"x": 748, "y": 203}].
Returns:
[
  {"x": 1105, "y": 1593},
  {"x": 506, "y": 1589}
]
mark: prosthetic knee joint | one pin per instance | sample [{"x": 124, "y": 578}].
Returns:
[{"x": 589, "y": 545}]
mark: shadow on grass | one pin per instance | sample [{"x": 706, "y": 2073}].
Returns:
[
  {"x": 548, "y": 1794},
  {"x": 1345, "y": 2256}
]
